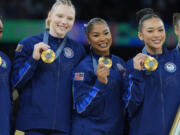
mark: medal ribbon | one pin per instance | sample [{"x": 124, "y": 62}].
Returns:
[{"x": 61, "y": 46}]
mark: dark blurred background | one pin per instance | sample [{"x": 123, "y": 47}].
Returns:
[{"x": 26, "y": 17}]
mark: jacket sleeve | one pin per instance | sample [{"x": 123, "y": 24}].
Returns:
[
  {"x": 134, "y": 90},
  {"x": 23, "y": 65},
  {"x": 88, "y": 97}
]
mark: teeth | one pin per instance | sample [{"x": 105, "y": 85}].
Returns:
[
  {"x": 157, "y": 41},
  {"x": 62, "y": 27},
  {"x": 103, "y": 45}
]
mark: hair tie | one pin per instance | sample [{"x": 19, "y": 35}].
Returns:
[{"x": 84, "y": 26}]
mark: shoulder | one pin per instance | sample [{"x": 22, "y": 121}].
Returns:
[
  {"x": 77, "y": 47},
  {"x": 117, "y": 60},
  {"x": 32, "y": 40},
  {"x": 85, "y": 64},
  {"x": 129, "y": 62},
  {"x": 118, "y": 63},
  {"x": 29, "y": 42},
  {"x": 172, "y": 54},
  {"x": 75, "y": 44}
]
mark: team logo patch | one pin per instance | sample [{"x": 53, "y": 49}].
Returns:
[
  {"x": 79, "y": 76},
  {"x": 68, "y": 52},
  {"x": 4, "y": 64},
  {"x": 19, "y": 48},
  {"x": 170, "y": 67},
  {"x": 120, "y": 67}
]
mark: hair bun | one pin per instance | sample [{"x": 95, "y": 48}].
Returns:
[{"x": 143, "y": 12}]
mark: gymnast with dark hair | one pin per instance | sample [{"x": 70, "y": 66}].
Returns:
[
  {"x": 152, "y": 110},
  {"x": 99, "y": 83}
]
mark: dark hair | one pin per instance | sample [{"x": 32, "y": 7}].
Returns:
[
  {"x": 143, "y": 15},
  {"x": 92, "y": 22},
  {"x": 176, "y": 18}
]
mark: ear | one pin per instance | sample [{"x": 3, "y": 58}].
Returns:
[
  {"x": 176, "y": 30},
  {"x": 140, "y": 35},
  {"x": 49, "y": 16}
]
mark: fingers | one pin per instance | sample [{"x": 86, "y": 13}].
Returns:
[
  {"x": 41, "y": 46},
  {"x": 103, "y": 70},
  {"x": 141, "y": 57},
  {"x": 38, "y": 48},
  {"x": 102, "y": 73},
  {"x": 138, "y": 61}
]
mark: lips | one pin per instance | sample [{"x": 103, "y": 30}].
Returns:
[
  {"x": 63, "y": 28},
  {"x": 157, "y": 41},
  {"x": 103, "y": 45}
]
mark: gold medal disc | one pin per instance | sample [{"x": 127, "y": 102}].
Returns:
[
  {"x": 48, "y": 56},
  {"x": 150, "y": 63},
  {"x": 105, "y": 61},
  {"x": 0, "y": 61},
  {"x": 18, "y": 132}
]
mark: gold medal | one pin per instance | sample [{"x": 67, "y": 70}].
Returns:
[
  {"x": 105, "y": 61},
  {"x": 18, "y": 132},
  {"x": 0, "y": 61},
  {"x": 48, "y": 56},
  {"x": 150, "y": 63}
]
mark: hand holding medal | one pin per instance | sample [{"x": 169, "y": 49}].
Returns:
[
  {"x": 104, "y": 64},
  {"x": 41, "y": 50},
  {"x": 142, "y": 61}
]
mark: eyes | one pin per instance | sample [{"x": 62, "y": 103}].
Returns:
[
  {"x": 159, "y": 30},
  {"x": 62, "y": 16},
  {"x": 98, "y": 34}
]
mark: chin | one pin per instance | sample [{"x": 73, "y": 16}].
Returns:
[
  {"x": 157, "y": 46},
  {"x": 60, "y": 35}
]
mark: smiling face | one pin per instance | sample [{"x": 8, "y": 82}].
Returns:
[
  {"x": 61, "y": 20},
  {"x": 1, "y": 29},
  {"x": 153, "y": 34},
  {"x": 100, "y": 38}
]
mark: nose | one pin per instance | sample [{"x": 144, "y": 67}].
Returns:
[
  {"x": 102, "y": 38},
  {"x": 157, "y": 34},
  {"x": 64, "y": 20}
]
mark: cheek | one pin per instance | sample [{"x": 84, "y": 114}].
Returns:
[
  {"x": 71, "y": 24},
  {"x": 110, "y": 39},
  {"x": 164, "y": 35}
]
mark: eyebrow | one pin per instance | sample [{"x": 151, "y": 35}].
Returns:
[
  {"x": 152, "y": 27},
  {"x": 103, "y": 31}
]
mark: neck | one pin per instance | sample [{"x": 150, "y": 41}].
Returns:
[
  {"x": 154, "y": 51},
  {"x": 55, "y": 35},
  {"x": 101, "y": 53}
]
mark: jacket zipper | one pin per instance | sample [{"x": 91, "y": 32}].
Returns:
[
  {"x": 54, "y": 121},
  {"x": 162, "y": 102}
]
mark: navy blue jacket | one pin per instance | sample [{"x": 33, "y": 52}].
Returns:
[
  {"x": 152, "y": 111},
  {"x": 46, "y": 96},
  {"x": 99, "y": 108},
  {"x": 5, "y": 102}
]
